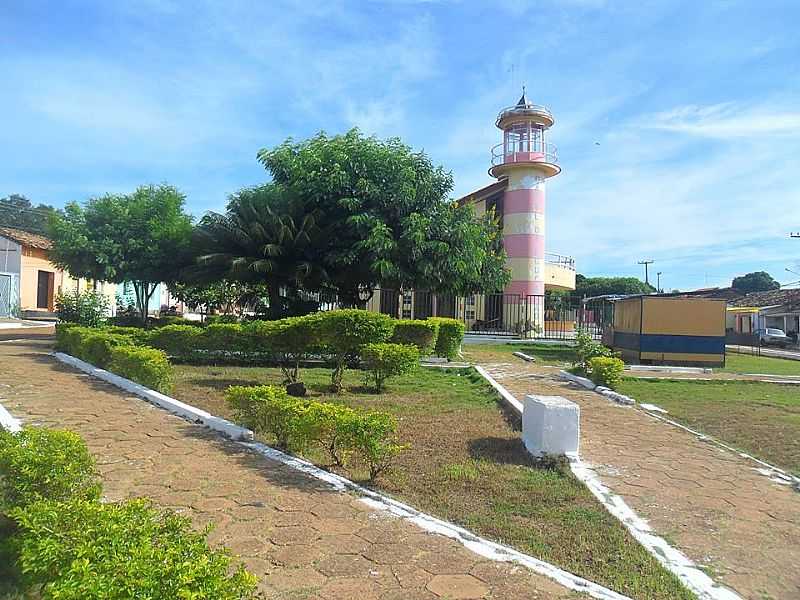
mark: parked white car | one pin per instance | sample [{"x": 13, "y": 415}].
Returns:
[{"x": 773, "y": 337}]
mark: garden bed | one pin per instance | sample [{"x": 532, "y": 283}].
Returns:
[
  {"x": 762, "y": 419},
  {"x": 466, "y": 464}
]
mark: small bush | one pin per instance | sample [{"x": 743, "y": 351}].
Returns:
[
  {"x": 386, "y": 360},
  {"x": 43, "y": 464},
  {"x": 606, "y": 371},
  {"x": 147, "y": 366},
  {"x": 83, "y": 550},
  {"x": 298, "y": 424},
  {"x": 221, "y": 319},
  {"x": 421, "y": 334},
  {"x": 166, "y": 320},
  {"x": 137, "y": 335},
  {"x": 345, "y": 332},
  {"x": 87, "y": 308},
  {"x": 96, "y": 346},
  {"x": 268, "y": 409},
  {"x": 586, "y": 349},
  {"x": 289, "y": 341},
  {"x": 69, "y": 336},
  {"x": 175, "y": 340},
  {"x": 449, "y": 338}
]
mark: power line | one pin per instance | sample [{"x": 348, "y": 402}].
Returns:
[{"x": 646, "y": 263}]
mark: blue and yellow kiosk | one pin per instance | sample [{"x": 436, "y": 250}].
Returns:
[{"x": 670, "y": 330}]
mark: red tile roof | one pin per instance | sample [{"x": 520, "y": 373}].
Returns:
[{"x": 26, "y": 238}]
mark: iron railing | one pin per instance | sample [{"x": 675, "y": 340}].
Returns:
[
  {"x": 524, "y": 151},
  {"x": 528, "y": 109},
  {"x": 560, "y": 259}
]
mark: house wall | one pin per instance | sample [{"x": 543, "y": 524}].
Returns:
[
  {"x": 33, "y": 261},
  {"x": 10, "y": 256}
]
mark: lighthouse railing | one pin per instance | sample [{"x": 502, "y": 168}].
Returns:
[{"x": 524, "y": 151}]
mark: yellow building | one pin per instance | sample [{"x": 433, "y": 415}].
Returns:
[{"x": 29, "y": 282}]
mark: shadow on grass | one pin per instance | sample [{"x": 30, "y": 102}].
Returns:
[{"x": 506, "y": 451}]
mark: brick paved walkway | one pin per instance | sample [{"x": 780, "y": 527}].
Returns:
[
  {"x": 301, "y": 539},
  {"x": 708, "y": 502}
]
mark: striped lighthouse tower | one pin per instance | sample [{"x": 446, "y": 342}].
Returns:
[{"x": 526, "y": 160}]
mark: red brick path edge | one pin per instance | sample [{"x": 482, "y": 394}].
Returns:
[{"x": 375, "y": 501}]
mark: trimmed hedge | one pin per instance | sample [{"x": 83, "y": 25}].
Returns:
[
  {"x": 419, "y": 333},
  {"x": 347, "y": 435},
  {"x": 450, "y": 337},
  {"x": 44, "y": 464},
  {"x": 606, "y": 371},
  {"x": 224, "y": 337},
  {"x": 96, "y": 347},
  {"x": 345, "y": 332},
  {"x": 146, "y": 366},
  {"x": 175, "y": 340},
  {"x": 59, "y": 542},
  {"x": 387, "y": 360}
]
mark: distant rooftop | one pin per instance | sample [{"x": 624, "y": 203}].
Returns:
[{"x": 26, "y": 238}]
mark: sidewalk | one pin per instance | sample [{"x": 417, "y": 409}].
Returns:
[
  {"x": 300, "y": 538},
  {"x": 710, "y": 503}
]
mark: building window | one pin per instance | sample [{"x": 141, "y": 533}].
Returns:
[{"x": 470, "y": 314}]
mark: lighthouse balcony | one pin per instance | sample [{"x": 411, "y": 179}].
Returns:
[{"x": 536, "y": 153}]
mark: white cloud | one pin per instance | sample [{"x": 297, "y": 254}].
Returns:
[{"x": 728, "y": 120}]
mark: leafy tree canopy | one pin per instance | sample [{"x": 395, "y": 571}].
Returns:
[
  {"x": 759, "y": 281},
  {"x": 136, "y": 237},
  {"x": 381, "y": 216},
  {"x": 600, "y": 286},
  {"x": 19, "y": 212}
]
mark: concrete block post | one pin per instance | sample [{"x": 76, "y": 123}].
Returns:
[{"x": 551, "y": 425}]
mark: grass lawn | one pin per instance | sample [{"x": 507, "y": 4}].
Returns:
[
  {"x": 467, "y": 464},
  {"x": 545, "y": 354},
  {"x": 763, "y": 419},
  {"x": 747, "y": 363}
]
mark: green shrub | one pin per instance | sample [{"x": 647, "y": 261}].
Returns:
[
  {"x": 96, "y": 346},
  {"x": 44, "y": 464},
  {"x": 175, "y": 320},
  {"x": 298, "y": 424},
  {"x": 344, "y": 332},
  {"x": 175, "y": 340},
  {"x": 147, "y": 366},
  {"x": 371, "y": 436},
  {"x": 224, "y": 337},
  {"x": 386, "y": 360},
  {"x": 606, "y": 371},
  {"x": 87, "y": 308},
  {"x": 268, "y": 409},
  {"x": 68, "y": 337},
  {"x": 421, "y": 334},
  {"x": 586, "y": 349},
  {"x": 450, "y": 337},
  {"x": 84, "y": 550},
  {"x": 137, "y": 335},
  {"x": 292, "y": 340},
  {"x": 221, "y": 319}
]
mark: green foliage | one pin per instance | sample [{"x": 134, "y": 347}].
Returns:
[
  {"x": 449, "y": 338},
  {"x": 42, "y": 464},
  {"x": 347, "y": 435},
  {"x": 84, "y": 550},
  {"x": 345, "y": 332},
  {"x": 606, "y": 371},
  {"x": 586, "y": 349},
  {"x": 18, "y": 212},
  {"x": 137, "y": 237},
  {"x": 419, "y": 333},
  {"x": 224, "y": 337},
  {"x": 175, "y": 340},
  {"x": 137, "y": 335},
  {"x": 289, "y": 341},
  {"x": 387, "y": 360},
  {"x": 586, "y": 287},
  {"x": 146, "y": 366},
  {"x": 68, "y": 337},
  {"x": 760, "y": 281},
  {"x": 96, "y": 347},
  {"x": 87, "y": 308}
]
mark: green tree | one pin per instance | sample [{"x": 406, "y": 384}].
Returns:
[
  {"x": 228, "y": 297},
  {"x": 601, "y": 286},
  {"x": 19, "y": 212},
  {"x": 759, "y": 281},
  {"x": 382, "y": 216},
  {"x": 137, "y": 237}
]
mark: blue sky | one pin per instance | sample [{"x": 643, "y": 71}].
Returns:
[{"x": 677, "y": 123}]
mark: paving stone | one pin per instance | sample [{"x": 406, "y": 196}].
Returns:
[{"x": 458, "y": 586}]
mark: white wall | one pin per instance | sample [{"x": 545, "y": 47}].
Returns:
[{"x": 10, "y": 256}]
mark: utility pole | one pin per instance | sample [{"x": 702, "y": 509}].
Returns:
[
  {"x": 658, "y": 285},
  {"x": 646, "y": 263}
]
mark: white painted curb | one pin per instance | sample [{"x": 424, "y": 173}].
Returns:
[
  {"x": 602, "y": 390},
  {"x": 188, "y": 412},
  {"x": 481, "y": 546},
  {"x": 523, "y": 356},
  {"x": 509, "y": 399},
  {"x": 8, "y": 422}
]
